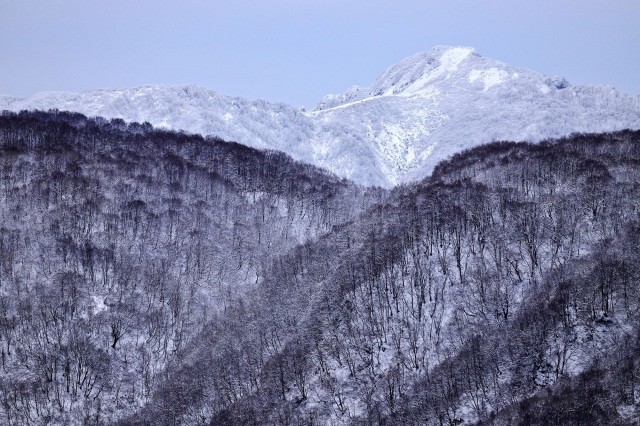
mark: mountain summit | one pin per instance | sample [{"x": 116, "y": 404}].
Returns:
[
  {"x": 419, "y": 111},
  {"x": 413, "y": 75}
]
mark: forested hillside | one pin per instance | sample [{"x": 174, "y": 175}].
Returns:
[
  {"x": 151, "y": 277},
  {"x": 119, "y": 243},
  {"x": 502, "y": 290}
]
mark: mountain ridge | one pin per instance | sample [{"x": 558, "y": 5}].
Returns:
[{"x": 418, "y": 112}]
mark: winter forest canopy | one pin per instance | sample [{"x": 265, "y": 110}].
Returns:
[{"x": 156, "y": 277}]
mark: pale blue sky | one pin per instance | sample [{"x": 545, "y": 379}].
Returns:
[{"x": 298, "y": 51}]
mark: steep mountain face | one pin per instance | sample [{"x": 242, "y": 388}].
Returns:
[{"x": 417, "y": 113}]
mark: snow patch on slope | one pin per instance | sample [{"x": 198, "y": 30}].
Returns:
[{"x": 489, "y": 77}]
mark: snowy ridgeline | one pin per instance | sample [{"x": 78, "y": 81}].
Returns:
[{"x": 417, "y": 113}]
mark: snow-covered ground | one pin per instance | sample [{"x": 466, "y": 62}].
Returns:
[{"x": 417, "y": 113}]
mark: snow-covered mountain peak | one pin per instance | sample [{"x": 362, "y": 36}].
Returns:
[
  {"x": 417, "y": 113},
  {"x": 413, "y": 76},
  {"x": 415, "y": 73}
]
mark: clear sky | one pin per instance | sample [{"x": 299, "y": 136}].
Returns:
[{"x": 296, "y": 51}]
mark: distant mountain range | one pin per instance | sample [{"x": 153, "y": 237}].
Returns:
[{"x": 417, "y": 113}]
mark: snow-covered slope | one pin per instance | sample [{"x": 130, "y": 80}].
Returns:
[{"x": 417, "y": 113}]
